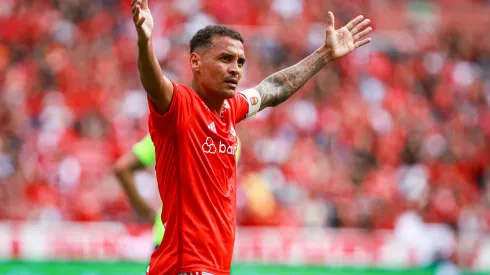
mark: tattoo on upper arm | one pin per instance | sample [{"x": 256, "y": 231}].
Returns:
[{"x": 280, "y": 86}]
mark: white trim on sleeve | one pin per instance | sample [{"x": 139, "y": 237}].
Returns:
[{"x": 254, "y": 100}]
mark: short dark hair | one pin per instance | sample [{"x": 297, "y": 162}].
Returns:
[{"x": 203, "y": 37}]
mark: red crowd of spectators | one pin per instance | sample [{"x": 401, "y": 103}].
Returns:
[{"x": 403, "y": 123}]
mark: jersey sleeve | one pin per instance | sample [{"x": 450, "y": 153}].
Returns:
[
  {"x": 247, "y": 104},
  {"x": 176, "y": 116},
  {"x": 145, "y": 151}
]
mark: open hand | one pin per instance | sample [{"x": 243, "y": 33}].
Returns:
[
  {"x": 142, "y": 19},
  {"x": 344, "y": 40}
]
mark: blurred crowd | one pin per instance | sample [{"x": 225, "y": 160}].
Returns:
[{"x": 402, "y": 124}]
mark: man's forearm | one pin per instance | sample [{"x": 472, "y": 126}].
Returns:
[
  {"x": 150, "y": 72},
  {"x": 126, "y": 178},
  {"x": 280, "y": 86}
]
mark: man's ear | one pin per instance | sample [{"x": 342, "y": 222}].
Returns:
[{"x": 195, "y": 61}]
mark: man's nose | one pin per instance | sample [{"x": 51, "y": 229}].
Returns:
[{"x": 234, "y": 69}]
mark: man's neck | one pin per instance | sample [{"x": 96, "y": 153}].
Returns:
[{"x": 213, "y": 103}]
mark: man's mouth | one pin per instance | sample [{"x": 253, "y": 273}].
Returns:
[{"x": 232, "y": 82}]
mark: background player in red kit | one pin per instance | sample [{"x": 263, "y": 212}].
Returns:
[{"x": 193, "y": 130}]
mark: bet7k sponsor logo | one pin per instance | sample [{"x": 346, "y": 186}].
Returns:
[{"x": 209, "y": 147}]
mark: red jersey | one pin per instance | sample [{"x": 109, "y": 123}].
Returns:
[{"x": 195, "y": 166}]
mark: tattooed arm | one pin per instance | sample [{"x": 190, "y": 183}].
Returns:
[{"x": 280, "y": 86}]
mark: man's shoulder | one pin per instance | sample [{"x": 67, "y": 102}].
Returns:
[
  {"x": 186, "y": 92},
  {"x": 236, "y": 98},
  {"x": 183, "y": 88}
]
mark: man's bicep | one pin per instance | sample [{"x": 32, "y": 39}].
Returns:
[
  {"x": 269, "y": 93},
  {"x": 162, "y": 99}
]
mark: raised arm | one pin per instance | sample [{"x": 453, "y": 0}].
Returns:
[
  {"x": 280, "y": 86},
  {"x": 158, "y": 87}
]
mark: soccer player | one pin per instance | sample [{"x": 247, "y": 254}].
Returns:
[
  {"x": 140, "y": 157},
  {"x": 193, "y": 129}
]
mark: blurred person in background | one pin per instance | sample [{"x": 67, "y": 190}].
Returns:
[
  {"x": 431, "y": 244},
  {"x": 196, "y": 176},
  {"x": 141, "y": 157}
]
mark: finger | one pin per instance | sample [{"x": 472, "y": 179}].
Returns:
[
  {"x": 360, "y": 26},
  {"x": 354, "y": 22},
  {"x": 330, "y": 20},
  {"x": 134, "y": 8},
  {"x": 136, "y": 14},
  {"x": 362, "y": 42},
  {"x": 139, "y": 23},
  {"x": 133, "y": 2},
  {"x": 362, "y": 34},
  {"x": 144, "y": 4}
]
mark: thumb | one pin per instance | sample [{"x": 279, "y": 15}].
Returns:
[
  {"x": 330, "y": 21},
  {"x": 140, "y": 22}
]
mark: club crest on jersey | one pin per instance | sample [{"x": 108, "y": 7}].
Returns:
[{"x": 254, "y": 100}]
